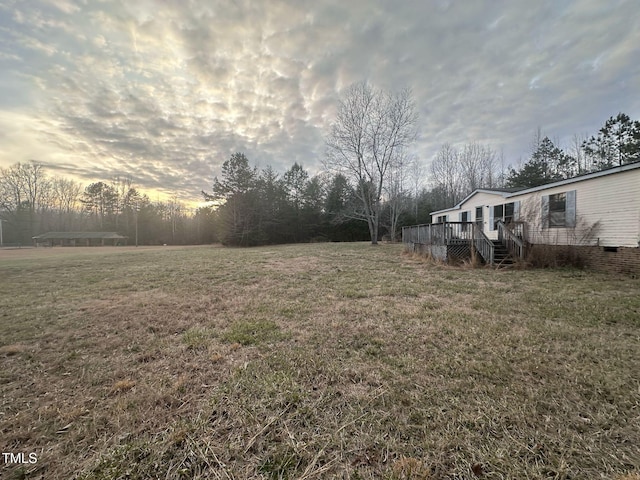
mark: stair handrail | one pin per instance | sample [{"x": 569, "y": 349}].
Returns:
[
  {"x": 514, "y": 244},
  {"x": 482, "y": 244}
]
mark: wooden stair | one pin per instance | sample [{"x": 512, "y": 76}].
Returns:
[{"x": 501, "y": 256}]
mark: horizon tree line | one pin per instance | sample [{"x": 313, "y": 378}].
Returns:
[
  {"x": 32, "y": 202},
  {"x": 371, "y": 186}
]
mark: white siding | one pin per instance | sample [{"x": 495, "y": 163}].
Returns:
[
  {"x": 487, "y": 202},
  {"x": 480, "y": 199},
  {"x": 607, "y": 212}
]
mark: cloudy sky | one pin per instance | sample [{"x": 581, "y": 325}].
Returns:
[{"x": 166, "y": 91}]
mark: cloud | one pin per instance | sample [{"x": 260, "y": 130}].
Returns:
[{"x": 166, "y": 91}]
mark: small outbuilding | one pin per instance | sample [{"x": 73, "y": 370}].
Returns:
[{"x": 79, "y": 239}]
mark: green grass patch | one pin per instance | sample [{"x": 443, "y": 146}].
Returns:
[
  {"x": 196, "y": 338},
  {"x": 254, "y": 332}
]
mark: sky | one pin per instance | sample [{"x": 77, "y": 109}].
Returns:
[{"x": 165, "y": 91}]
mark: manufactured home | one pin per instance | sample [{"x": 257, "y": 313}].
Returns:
[{"x": 598, "y": 213}]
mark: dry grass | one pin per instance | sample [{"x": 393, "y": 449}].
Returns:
[
  {"x": 315, "y": 361},
  {"x": 122, "y": 386},
  {"x": 11, "y": 349}
]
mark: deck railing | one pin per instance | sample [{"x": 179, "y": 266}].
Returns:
[
  {"x": 483, "y": 245},
  {"x": 438, "y": 233},
  {"x": 513, "y": 238},
  {"x": 460, "y": 233}
]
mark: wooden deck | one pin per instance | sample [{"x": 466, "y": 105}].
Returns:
[{"x": 458, "y": 239}]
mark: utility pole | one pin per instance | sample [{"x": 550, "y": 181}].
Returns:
[
  {"x": 137, "y": 211},
  {"x": 1, "y": 241}
]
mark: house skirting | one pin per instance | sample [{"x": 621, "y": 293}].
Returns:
[
  {"x": 612, "y": 259},
  {"x": 444, "y": 253},
  {"x": 605, "y": 259}
]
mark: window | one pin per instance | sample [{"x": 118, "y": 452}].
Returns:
[
  {"x": 464, "y": 217},
  {"x": 508, "y": 213},
  {"x": 441, "y": 219},
  {"x": 557, "y": 210},
  {"x": 479, "y": 216},
  {"x": 498, "y": 212}
]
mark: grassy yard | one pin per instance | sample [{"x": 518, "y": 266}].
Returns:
[{"x": 314, "y": 361}]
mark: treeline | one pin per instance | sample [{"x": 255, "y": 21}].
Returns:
[{"x": 32, "y": 202}]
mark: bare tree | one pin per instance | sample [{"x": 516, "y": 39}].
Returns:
[
  {"x": 175, "y": 212},
  {"x": 25, "y": 192},
  {"x": 502, "y": 175},
  {"x": 456, "y": 173},
  {"x": 577, "y": 152},
  {"x": 397, "y": 192},
  {"x": 370, "y": 132},
  {"x": 66, "y": 197},
  {"x": 35, "y": 185},
  {"x": 536, "y": 139},
  {"x": 416, "y": 179},
  {"x": 478, "y": 165},
  {"x": 11, "y": 189},
  {"x": 121, "y": 187},
  {"x": 447, "y": 175}
]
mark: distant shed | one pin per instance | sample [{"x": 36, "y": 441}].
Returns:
[{"x": 79, "y": 239}]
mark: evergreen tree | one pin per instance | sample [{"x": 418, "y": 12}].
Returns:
[
  {"x": 313, "y": 200},
  {"x": 100, "y": 200},
  {"x": 238, "y": 195},
  {"x": 295, "y": 181},
  {"x": 617, "y": 143},
  {"x": 548, "y": 163},
  {"x": 272, "y": 207},
  {"x": 338, "y": 195}
]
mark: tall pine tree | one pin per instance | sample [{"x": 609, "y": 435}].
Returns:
[
  {"x": 617, "y": 143},
  {"x": 548, "y": 163}
]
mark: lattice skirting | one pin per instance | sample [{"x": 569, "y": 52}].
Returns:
[
  {"x": 457, "y": 253},
  {"x": 449, "y": 253}
]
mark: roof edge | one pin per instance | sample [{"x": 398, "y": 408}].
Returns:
[
  {"x": 502, "y": 193},
  {"x": 580, "y": 178},
  {"x": 558, "y": 183}
]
